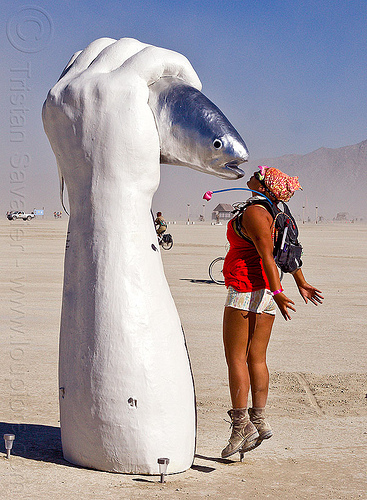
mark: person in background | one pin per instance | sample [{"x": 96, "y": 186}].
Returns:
[{"x": 160, "y": 224}]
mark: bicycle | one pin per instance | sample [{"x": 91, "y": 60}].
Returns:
[
  {"x": 216, "y": 270},
  {"x": 165, "y": 240}
]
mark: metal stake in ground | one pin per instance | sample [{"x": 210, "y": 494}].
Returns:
[
  {"x": 9, "y": 439},
  {"x": 163, "y": 464}
]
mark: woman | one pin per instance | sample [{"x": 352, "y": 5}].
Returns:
[{"x": 254, "y": 291}]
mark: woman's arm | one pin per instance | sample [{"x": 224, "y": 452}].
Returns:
[{"x": 257, "y": 223}]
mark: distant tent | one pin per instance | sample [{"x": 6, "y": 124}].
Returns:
[
  {"x": 342, "y": 216},
  {"x": 223, "y": 211}
]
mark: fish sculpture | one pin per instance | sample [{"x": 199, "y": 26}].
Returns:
[
  {"x": 193, "y": 132},
  {"x": 126, "y": 387}
]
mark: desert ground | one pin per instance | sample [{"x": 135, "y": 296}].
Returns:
[{"x": 317, "y": 403}]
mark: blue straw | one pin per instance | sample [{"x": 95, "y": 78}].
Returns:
[{"x": 242, "y": 189}]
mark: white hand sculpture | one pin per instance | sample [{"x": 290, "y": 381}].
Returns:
[
  {"x": 126, "y": 389},
  {"x": 127, "y": 393}
]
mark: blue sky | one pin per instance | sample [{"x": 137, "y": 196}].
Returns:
[{"x": 289, "y": 75}]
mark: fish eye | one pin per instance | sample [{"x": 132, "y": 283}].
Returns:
[{"x": 217, "y": 143}]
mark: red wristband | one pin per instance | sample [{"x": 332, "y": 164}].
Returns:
[{"x": 277, "y": 291}]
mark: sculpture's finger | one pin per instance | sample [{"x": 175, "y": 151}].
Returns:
[
  {"x": 113, "y": 56},
  {"x": 153, "y": 63},
  {"x": 69, "y": 64},
  {"x": 81, "y": 60}
]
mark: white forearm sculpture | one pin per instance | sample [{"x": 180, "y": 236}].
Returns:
[{"x": 126, "y": 388}]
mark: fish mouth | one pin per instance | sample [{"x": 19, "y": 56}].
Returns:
[{"x": 232, "y": 166}]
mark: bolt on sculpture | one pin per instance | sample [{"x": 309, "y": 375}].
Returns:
[{"x": 127, "y": 394}]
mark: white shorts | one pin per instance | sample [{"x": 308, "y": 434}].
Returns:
[{"x": 260, "y": 301}]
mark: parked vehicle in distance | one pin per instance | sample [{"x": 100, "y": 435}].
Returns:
[{"x": 18, "y": 214}]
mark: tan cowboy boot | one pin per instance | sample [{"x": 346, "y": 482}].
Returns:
[{"x": 244, "y": 434}]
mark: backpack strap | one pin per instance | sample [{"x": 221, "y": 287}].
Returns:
[
  {"x": 288, "y": 213},
  {"x": 238, "y": 229},
  {"x": 255, "y": 200}
]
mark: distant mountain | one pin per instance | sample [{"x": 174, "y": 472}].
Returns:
[{"x": 334, "y": 180}]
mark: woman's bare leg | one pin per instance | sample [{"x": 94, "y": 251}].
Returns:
[
  {"x": 256, "y": 360},
  {"x": 238, "y": 327},
  {"x": 246, "y": 336}
]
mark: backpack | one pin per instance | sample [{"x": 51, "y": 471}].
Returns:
[
  {"x": 159, "y": 221},
  {"x": 287, "y": 249}
]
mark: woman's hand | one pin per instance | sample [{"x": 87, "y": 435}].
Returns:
[
  {"x": 307, "y": 291},
  {"x": 310, "y": 293},
  {"x": 284, "y": 303}
]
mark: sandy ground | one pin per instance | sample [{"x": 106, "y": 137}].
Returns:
[{"x": 317, "y": 403}]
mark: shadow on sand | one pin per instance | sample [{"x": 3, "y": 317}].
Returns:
[
  {"x": 205, "y": 282},
  {"x": 35, "y": 442},
  {"x": 215, "y": 459},
  {"x": 43, "y": 443}
]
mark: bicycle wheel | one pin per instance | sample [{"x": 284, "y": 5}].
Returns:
[
  {"x": 167, "y": 242},
  {"x": 216, "y": 270}
]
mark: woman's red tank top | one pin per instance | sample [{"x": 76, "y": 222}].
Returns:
[{"x": 243, "y": 269}]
